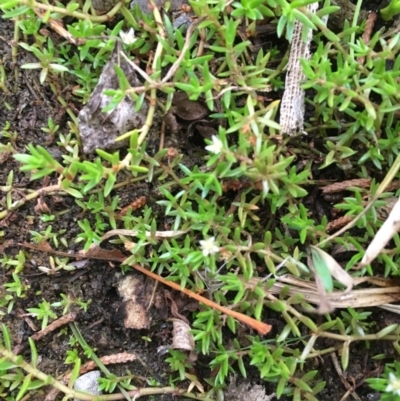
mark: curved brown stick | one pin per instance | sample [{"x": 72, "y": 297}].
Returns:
[
  {"x": 261, "y": 327},
  {"x": 117, "y": 256}
]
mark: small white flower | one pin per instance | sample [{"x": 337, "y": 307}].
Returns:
[
  {"x": 394, "y": 384},
  {"x": 208, "y": 246},
  {"x": 216, "y": 146},
  {"x": 129, "y": 37}
]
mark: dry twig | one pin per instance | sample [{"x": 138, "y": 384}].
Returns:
[
  {"x": 368, "y": 31},
  {"x": 70, "y": 317},
  {"x": 98, "y": 253},
  {"x": 388, "y": 292}
]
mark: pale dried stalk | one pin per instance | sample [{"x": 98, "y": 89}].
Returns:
[
  {"x": 389, "y": 228},
  {"x": 292, "y": 107},
  {"x": 382, "y": 297}
]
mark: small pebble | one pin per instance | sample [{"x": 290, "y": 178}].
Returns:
[
  {"x": 373, "y": 397},
  {"x": 88, "y": 383}
]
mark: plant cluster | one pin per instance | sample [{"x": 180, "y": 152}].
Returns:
[{"x": 241, "y": 213}]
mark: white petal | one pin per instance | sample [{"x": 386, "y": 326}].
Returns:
[
  {"x": 208, "y": 246},
  {"x": 129, "y": 37},
  {"x": 216, "y": 146}
]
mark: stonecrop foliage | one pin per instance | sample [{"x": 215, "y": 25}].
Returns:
[{"x": 247, "y": 199}]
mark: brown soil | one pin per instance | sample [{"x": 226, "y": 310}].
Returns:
[{"x": 30, "y": 106}]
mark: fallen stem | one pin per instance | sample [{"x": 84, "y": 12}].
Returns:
[
  {"x": 383, "y": 185},
  {"x": 49, "y": 380},
  {"x": 83, "y": 16},
  {"x": 33, "y": 195},
  {"x": 261, "y": 327}
]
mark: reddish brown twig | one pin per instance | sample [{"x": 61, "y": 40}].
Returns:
[
  {"x": 338, "y": 223},
  {"x": 70, "y": 317},
  {"x": 234, "y": 185},
  {"x": 122, "y": 357},
  {"x": 262, "y": 328},
  {"x": 344, "y": 185},
  {"x": 136, "y": 204},
  {"x": 366, "y": 37}
]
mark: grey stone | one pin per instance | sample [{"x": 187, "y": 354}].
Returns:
[{"x": 88, "y": 383}]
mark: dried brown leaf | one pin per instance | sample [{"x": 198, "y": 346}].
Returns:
[
  {"x": 388, "y": 292},
  {"x": 182, "y": 338},
  {"x": 98, "y": 129}
]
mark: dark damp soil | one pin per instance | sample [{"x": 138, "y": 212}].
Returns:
[{"x": 27, "y": 106}]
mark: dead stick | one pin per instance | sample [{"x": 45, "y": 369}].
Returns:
[
  {"x": 70, "y": 317},
  {"x": 366, "y": 37},
  {"x": 261, "y": 327}
]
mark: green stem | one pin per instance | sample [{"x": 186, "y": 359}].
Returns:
[
  {"x": 93, "y": 356},
  {"x": 33, "y": 195},
  {"x": 42, "y": 376},
  {"x": 49, "y": 380},
  {"x": 355, "y": 22},
  {"x": 83, "y": 16},
  {"x": 14, "y": 53}
]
